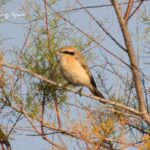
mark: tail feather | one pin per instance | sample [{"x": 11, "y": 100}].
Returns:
[
  {"x": 93, "y": 87},
  {"x": 96, "y": 92}
]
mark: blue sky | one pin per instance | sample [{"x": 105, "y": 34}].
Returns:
[{"x": 15, "y": 32}]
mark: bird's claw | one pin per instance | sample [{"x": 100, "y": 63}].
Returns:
[{"x": 79, "y": 91}]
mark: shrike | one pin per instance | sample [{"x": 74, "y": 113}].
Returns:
[{"x": 75, "y": 69}]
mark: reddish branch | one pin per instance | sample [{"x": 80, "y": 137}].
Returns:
[
  {"x": 128, "y": 11},
  {"x": 24, "y": 44},
  {"x": 4, "y": 141},
  {"x": 46, "y": 23},
  {"x": 133, "y": 61},
  {"x": 42, "y": 114},
  {"x": 136, "y": 9},
  {"x": 57, "y": 113}
]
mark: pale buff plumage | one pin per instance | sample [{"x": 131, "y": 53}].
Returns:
[{"x": 75, "y": 69}]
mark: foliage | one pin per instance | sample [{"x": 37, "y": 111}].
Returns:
[{"x": 34, "y": 107}]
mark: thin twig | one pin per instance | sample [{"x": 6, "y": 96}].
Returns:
[
  {"x": 136, "y": 9},
  {"x": 128, "y": 11},
  {"x": 101, "y": 26}
]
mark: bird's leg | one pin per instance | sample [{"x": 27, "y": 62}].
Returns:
[
  {"x": 79, "y": 91},
  {"x": 65, "y": 85}
]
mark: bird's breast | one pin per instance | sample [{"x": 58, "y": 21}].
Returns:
[{"x": 73, "y": 71}]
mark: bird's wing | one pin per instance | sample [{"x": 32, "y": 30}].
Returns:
[{"x": 85, "y": 66}]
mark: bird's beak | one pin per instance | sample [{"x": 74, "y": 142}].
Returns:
[{"x": 58, "y": 54}]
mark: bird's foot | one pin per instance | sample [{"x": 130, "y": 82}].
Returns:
[
  {"x": 65, "y": 85},
  {"x": 79, "y": 91}
]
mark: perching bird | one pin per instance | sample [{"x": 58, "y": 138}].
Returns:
[{"x": 75, "y": 69}]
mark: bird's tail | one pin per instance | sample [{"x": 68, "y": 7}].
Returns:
[{"x": 96, "y": 92}]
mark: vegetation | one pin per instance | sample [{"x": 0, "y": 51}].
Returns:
[{"x": 36, "y": 101}]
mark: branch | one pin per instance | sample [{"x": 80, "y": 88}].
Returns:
[
  {"x": 113, "y": 103},
  {"x": 102, "y": 28},
  {"x": 4, "y": 140},
  {"x": 47, "y": 125},
  {"x": 97, "y": 6},
  {"x": 37, "y": 131},
  {"x": 90, "y": 37},
  {"x": 46, "y": 23},
  {"x": 128, "y": 11},
  {"x": 136, "y": 9},
  {"x": 133, "y": 61}
]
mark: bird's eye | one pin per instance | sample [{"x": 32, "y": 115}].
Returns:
[{"x": 69, "y": 53}]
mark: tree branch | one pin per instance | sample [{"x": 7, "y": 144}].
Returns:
[
  {"x": 4, "y": 140},
  {"x": 136, "y": 9},
  {"x": 102, "y": 28},
  {"x": 128, "y": 11},
  {"x": 113, "y": 103},
  {"x": 133, "y": 61}
]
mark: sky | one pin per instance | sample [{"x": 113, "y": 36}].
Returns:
[{"x": 13, "y": 33}]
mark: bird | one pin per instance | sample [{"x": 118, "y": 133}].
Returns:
[{"x": 75, "y": 69}]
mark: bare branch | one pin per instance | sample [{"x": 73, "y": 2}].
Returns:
[
  {"x": 133, "y": 61},
  {"x": 136, "y": 9},
  {"x": 128, "y": 11},
  {"x": 127, "y": 108},
  {"x": 101, "y": 26},
  {"x": 4, "y": 140}
]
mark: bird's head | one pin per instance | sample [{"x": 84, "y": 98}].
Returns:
[{"x": 69, "y": 51}]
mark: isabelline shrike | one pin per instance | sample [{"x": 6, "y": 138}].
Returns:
[{"x": 75, "y": 69}]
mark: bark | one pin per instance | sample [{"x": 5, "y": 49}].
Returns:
[{"x": 133, "y": 62}]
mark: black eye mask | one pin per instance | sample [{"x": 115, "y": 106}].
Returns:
[{"x": 69, "y": 53}]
